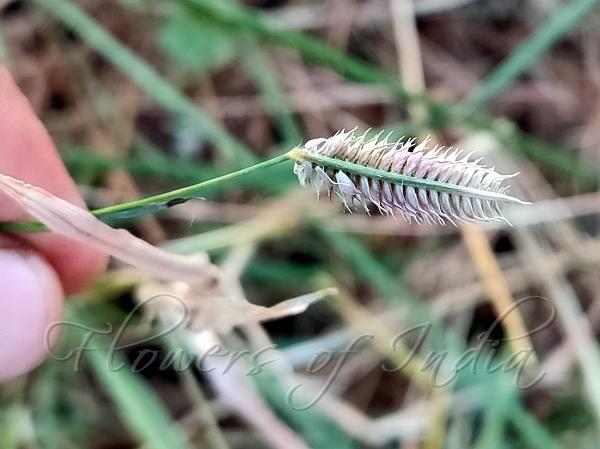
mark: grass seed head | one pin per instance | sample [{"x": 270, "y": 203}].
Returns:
[{"x": 406, "y": 178}]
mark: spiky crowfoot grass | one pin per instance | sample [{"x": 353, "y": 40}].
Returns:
[{"x": 412, "y": 180}]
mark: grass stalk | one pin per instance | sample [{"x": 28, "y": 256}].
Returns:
[
  {"x": 173, "y": 197},
  {"x": 497, "y": 287},
  {"x": 153, "y": 203}
]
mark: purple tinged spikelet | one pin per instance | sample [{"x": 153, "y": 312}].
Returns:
[{"x": 479, "y": 197}]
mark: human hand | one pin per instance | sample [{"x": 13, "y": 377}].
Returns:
[{"x": 36, "y": 270}]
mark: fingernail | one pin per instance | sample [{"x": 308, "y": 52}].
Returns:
[{"x": 31, "y": 299}]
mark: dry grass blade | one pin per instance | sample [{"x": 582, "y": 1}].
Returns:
[
  {"x": 292, "y": 306},
  {"x": 202, "y": 309},
  {"x": 73, "y": 222}
]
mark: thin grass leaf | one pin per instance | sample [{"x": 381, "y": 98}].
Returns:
[
  {"x": 78, "y": 224},
  {"x": 260, "y": 68},
  {"x": 141, "y": 410},
  {"x": 319, "y": 430},
  {"x": 531, "y": 431},
  {"x": 495, "y": 413},
  {"x": 530, "y": 51},
  {"x": 155, "y": 86}
]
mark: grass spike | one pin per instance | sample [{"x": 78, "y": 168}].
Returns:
[{"x": 403, "y": 178}]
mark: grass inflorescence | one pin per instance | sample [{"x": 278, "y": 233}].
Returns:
[
  {"x": 403, "y": 178},
  {"x": 412, "y": 180}
]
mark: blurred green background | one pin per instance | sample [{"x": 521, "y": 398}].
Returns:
[{"x": 145, "y": 96}]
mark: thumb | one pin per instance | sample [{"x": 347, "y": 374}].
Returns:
[{"x": 30, "y": 300}]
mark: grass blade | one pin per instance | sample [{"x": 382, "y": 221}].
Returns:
[
  {"x": 530, "y": 52},
  {"x": 259, "y": 67},
  {"x": 155, "y": 86},
  {"x": 140, "y": 409}
]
